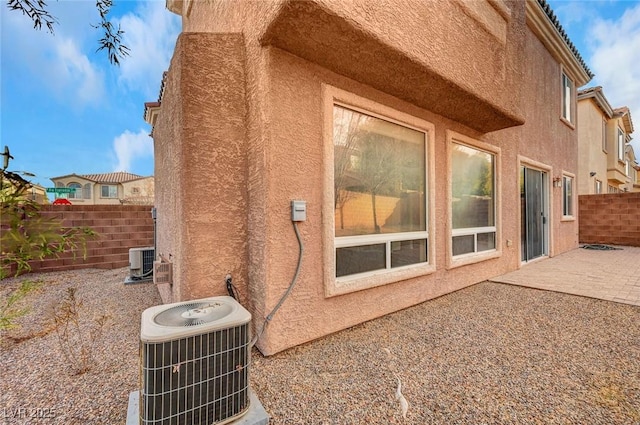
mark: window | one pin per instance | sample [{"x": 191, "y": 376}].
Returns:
[
  {"x": 109, "y": 191},
  {"x": 472, "y": 200},
  {"x": 620, "y": 145},
  {"x": 86, "y": 191},
  {"x": 627, "y": 170},
  {"x": 78, "y": 190},
  {"x": 567, "y": 196},
  {"x": 598, "y": 186},
  {"x": 567, "y": 95},
  {"x": 613, "y": 189},
  {"x": 379, "y": 194}
]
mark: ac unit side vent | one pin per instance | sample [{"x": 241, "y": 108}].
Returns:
[
  {"x": 148, "y": 256},
  {"x": 201, "y": 379},
  {"x": 162, "y": 272},
  {"x": 141, "y": 260}
]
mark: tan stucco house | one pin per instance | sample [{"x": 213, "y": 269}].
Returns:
[
  {"x": 33, "y": 192},
  {"x": 619, "y": 130},
  {"x": 632, "y": 167},
  {"x": 594, "y": 113},
  {"x": 606, "y": 161},
  {"x": 434, "y": 144},
  {"x": 107, "y": 188}
]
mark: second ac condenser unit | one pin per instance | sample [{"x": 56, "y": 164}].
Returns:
[
  {"x": 141, "y": 262},
  {"x": 195, "y": 362}
]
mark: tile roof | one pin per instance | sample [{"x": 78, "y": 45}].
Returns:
[
  {"x": 117, "y": 177},
  {"x": 556, "y": 23}
]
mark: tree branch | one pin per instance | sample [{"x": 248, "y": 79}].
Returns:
[
  {"x": 112, "y": 39},
  {"x": 37, "y": 11}
]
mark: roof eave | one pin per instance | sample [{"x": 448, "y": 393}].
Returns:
[
  {"x": 600, "y": 100},
  {"x": 151, "y": 111},
  {"x": 548, "y": 34}
]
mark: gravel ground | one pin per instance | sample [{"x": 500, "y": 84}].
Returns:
[{"x": 489, "y": 354}]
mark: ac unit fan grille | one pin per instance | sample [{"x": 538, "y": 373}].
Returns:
[{"x": 200, "y": 380}]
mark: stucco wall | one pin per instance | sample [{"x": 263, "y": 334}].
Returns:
[
  {"x": 296, "y": 161},
  {"x": 546, "y": 138},
  {"x": 592, "y": 157},
  {"x": 368, "y": 41},
  {"x": 200, "y": 158},
  {"x": 243, "y": 117}
]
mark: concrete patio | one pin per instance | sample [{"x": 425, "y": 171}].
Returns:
[{"x": 607, "y": 275}]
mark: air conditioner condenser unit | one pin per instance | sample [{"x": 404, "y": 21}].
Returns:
[
  {"x": 140, "y": 264},
  {"x": 195, "y": 358}
]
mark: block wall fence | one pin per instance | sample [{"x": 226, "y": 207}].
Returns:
[
  {"x": 119, "y": 228},
  {"x": 606, "y": 219},
  {"x": 610, "y": 219}
]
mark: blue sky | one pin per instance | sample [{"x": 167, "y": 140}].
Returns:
[
  {"x": 65, "y": 110},
  {"x": 607, "y": 34}
]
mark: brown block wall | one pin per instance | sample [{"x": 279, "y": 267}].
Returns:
[
  {"x": 610, "y": 219},
  {"x": 119, "y": 228}
]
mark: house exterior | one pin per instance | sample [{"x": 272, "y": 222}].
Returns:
[
  {"x": 632, "y": 167},
  {"x": 33, "y": 192},
  {"x": 38, "y": 194},
  {"x": 420, "y": 177},
  {"x": 594, "y": 112},
  {"x": 619, "y": 130},
  {"x": 607, "y": 162},
  {"x": 107, "y": 188}
]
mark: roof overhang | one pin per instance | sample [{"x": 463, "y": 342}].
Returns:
[
  {"x": 151, "y": 112},
  {"x": 599, "y": 98},
  {"x": 556, "y": 43},
  {"x": 179, "y": 7},
  {"x": 627, "y": 122}
]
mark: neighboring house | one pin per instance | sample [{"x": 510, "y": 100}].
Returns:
[
  {"x": 38, "y": 193},
  {"x": 33, "y": 192},
  {"x": 631, "y": 168},
  {"x": 606, "y": 161},
  {"x": 434, "y": 143},
  {"x": 619, "y": 129},
  {"x": 108, "y": 188},
  {"x": 594, "y": 113}
]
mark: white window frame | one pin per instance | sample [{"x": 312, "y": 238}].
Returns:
[
  {"x": 627, "y": 168},
  {"x": 78, "y": 191},
  {"x": 621, "y": 138},
  {"x": 383, "y": 238},
  {"x": 604, "y": 135},
  {"x": 598, "y": 187},
  {"x": 565, "y": 203},
  {"x": 567, "y": 98},
  {"x": 346, "y": 284},
  {"x": 109, "y": 196},
  {"x": 475, "y": 231},
  {"x": 474, "y": 257}
]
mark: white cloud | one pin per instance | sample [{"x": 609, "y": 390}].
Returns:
[
  {"x": 129, "y": 147},
  {"x": 614, "y": 60},
  {"x": 55, "y": 62},
  {"x": 150, "y": 33},
  {"x": 72, "y": 72}
]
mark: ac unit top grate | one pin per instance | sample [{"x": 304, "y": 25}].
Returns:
[
  {"x": 193, "y": 314},
  {"x": 179, "y": 320}
]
